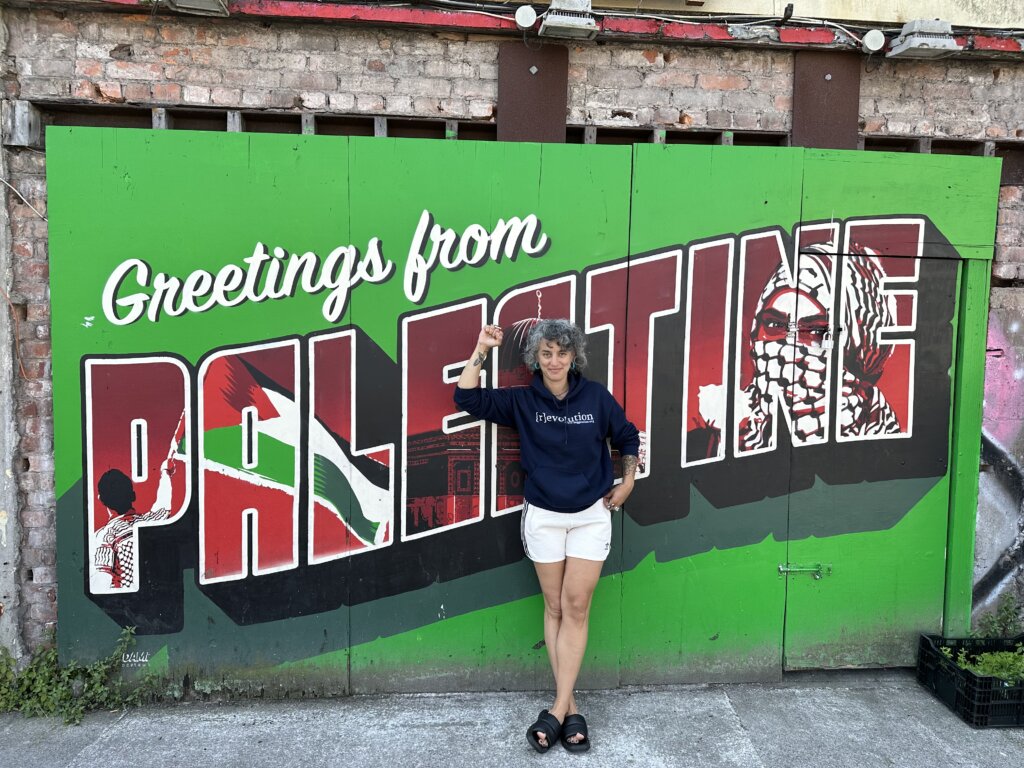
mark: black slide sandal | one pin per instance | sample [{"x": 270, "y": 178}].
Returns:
[
  {"x": 548, "y": 725},
  {"x": 572, "y": 726}
]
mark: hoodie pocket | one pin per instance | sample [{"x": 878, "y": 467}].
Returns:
[{"x": 559, "y": 489}]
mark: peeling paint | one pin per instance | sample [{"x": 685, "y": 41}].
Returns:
[{"x": 4, "y": 518}]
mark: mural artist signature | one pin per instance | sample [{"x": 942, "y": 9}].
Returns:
[{"x": 135, "y": 659}]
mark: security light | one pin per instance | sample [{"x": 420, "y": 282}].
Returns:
[
  {"x": 924, "y": 39},
  {"x": 569, "y": 18},
  {"x": 199, "y": 7}
]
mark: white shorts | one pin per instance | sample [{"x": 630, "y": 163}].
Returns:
[{"x": 548, "y": 537}]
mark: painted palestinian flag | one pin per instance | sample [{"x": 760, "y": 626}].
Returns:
[{"x": 251, "y": 431}]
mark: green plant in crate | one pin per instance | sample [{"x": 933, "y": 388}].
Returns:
[{"x": 1006, "y": 665}]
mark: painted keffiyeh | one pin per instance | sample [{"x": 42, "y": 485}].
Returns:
[{"x": 794, "y": 368}]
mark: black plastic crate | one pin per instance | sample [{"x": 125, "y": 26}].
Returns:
[{"x": 984, "y": 702}]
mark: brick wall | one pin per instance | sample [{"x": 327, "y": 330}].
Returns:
[
  {"x": 33, "y": 394},
  {"x": 1009, "y": 264},
  {"x": 110, "y": 58}
]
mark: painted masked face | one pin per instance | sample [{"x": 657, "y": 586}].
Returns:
[
  {"x": 791, "y": 358},
  {"x": 789, "y": 355}
]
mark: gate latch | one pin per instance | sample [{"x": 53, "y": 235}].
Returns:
[{"x": 817, "y": 570}]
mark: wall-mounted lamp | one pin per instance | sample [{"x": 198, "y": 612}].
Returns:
[
  {"x": 924, "y": 39},
  {"x": 569, "y": 18},
  {"x": 199, "y": 7},
  {"x": 526, "y": 17},
  {"x": 873, "y": 41}
]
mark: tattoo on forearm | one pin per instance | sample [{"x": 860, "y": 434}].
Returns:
[
  {"x": 480, "y": 357},
  {"x": 628, "y": 466}
]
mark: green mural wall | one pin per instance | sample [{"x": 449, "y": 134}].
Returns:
[{"x": 259, "y": 465}]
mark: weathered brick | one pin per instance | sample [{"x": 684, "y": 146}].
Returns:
[
  {"x": 614, "y": 78},
  {"x": 720, "y": 118},
  {"x": 89, "y": 68},
  {"x": 399, "y": 104},
  {"x": 442, "y": 68},
  {"x": 688, "y": 99},
  {"x": 110, "y": 91},
  {"x": 278, "y": 60},
  {"x": 137, "y": 92},
  {"x": 307, "y": 41},
  {"x": 175, "y": 33},
  {"x": 369, "y": 103},
  {"x": 35, "y": 482},
  {"x": 283, "y": 99},
  {"x": 41, "y": 87},
  {"x": 251, "y": 78},
  {"x": 313, "y": 100},
  {"x": 248, "y": 36},
  {"x": 40, "y": 537},
  {"x": 475, "y": 89},
  {"x": 1010, "y": 194},
  {"x": 57, "y": 68},
  {"x": 639, "y": 58},
  {"x": 382, "y": 84},
  {"x": 339, "y": 63},
  {"x": 670, "y": 78},
  {"x": 32, "y": 270},
  {"x": 130, "y": 70},
  {"x": 326, "y": 81},
  {"x": 35, "y": 349},
  {"x": 722, "y": 82},
  {"x": 36, "y": 517},
  {"x": 42, "y": 612},
  {"x": 1007, "y": 271},
  {"x": 195, "y": 94},
  {"x": 590, "y": 56},
  {"x": 43, "y": 574},
  {"x": 341, "y": 102},
  {"x": 226, "y": 97},
  {"x": 480, "y": 109}
]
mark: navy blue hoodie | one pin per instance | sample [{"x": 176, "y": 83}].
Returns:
[{"x": 561, "y": 442}]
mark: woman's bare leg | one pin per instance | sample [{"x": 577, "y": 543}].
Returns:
[{"x": 568, "y": 589}]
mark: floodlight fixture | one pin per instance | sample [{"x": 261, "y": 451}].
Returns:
[
  {"x": 569, "y": 18},
  {"x": 199, "y": 7},
  {"x": 924, "y": 39}
]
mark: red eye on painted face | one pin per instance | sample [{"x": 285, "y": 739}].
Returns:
[
  {"x": 812, "y": 331},
  {"x": 772, "y": 325}
]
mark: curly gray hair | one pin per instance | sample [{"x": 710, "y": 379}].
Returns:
[{"x": 565, "y": 334}]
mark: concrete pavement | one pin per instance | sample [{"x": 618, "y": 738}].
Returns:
[{"x": 855, "y": 719}]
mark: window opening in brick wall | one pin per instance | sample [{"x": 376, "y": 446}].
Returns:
[
  {"x": 344, "y": 125},
  {"x": 624, "y": 135},
  {"x": 270, "y": 122},
  {"x": 575, "y": 134},
  {"x": 693, "y": 137},
  {"x": 760, "y": 139},
  {"x": 957, "y": 147},
  {"x": 478, "y": 131},
  {"x": 891, "y": 144},
  {"x": 198, "y": 119},
  {"x": 416, "y": 129},
  {"x": 105, "y": 117}
]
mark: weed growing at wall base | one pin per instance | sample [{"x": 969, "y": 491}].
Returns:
[
  {"x": 1004, "y": 621},
  {"x": 44, "y": 687}
]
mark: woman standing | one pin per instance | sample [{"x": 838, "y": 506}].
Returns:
[{"x": 563, "y": 422}]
